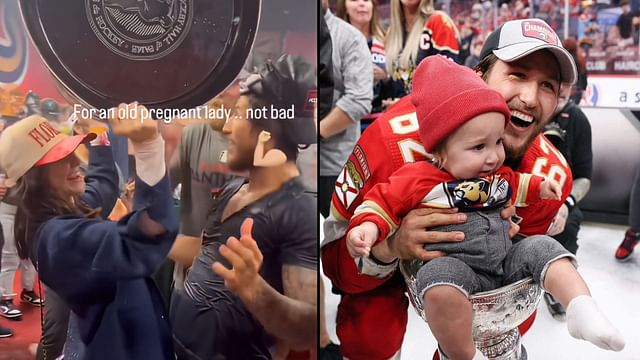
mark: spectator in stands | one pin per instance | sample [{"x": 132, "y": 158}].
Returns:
[
  {"x": 352, "y": 95},
  {"x": 363, "y": 15},
  {"x": 588, "y": 27},
  {"x": 570, "y": 132},
  {"x": 468, "y": 33},
  {"x": 625, "y": 25},
  {"x": 521, "y": 10},
  {"x": 476, "y": 12},
  {"x": 632, "y": 236},
  {"x": 571, "y": 44},
  {"x": 548, "y": 11},
  {"x": 474, "y": 58},
  {"x": 325, "y": 70},
  {"x": 416, "y": 30},
  {"x": 505, "y": 14}
]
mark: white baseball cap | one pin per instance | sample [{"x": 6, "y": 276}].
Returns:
[{"x": 518, "y": 38}]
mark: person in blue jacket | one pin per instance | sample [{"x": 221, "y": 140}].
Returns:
[
  {"x": 101, "y": 190},
  {"x": 100, "y": 269}
]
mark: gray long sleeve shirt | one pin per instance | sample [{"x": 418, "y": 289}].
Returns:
[{"x": 352, "y": 93}]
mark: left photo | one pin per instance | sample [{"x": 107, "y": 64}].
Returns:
[{"x": 158, "y": 180}]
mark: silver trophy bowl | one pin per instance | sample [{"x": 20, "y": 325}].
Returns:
[{"x": 497, "y": 313}]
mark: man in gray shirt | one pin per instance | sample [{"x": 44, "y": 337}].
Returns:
[
  {"x": 352, "y": 94},
  {"x": 199, "y": 167}
]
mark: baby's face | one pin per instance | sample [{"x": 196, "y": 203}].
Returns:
[{"x": 475, "y": 149}]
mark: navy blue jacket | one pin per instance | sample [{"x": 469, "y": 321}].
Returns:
[{"x": 102, "y": 270}]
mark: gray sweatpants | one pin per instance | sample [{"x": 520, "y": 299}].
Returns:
[{"x": 487, "y": 259}]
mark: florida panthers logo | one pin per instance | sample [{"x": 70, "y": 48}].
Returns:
[
  {"x": 480, "y": 193},
  {"x": 471, "y": 192},
  {"x": 140, "y": 29}
]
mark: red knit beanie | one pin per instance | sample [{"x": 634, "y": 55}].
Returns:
[{"x": 446, "y": 95}]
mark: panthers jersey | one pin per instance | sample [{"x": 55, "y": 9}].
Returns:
[
  {"x": 439, "y": 37},
  {"x": 388, "y": 143},
  {"x": 422, "y": 184},
  {"x": 392, "y": 141},
  {"x": 543, "y": 159}
]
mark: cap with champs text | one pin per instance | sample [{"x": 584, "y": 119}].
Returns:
[{"x": 518, "y": 38}]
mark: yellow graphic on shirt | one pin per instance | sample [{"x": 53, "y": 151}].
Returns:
[{"x": 470, "y": 190}]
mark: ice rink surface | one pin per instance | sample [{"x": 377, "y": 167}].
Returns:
[{"x": 614, "y": 285}]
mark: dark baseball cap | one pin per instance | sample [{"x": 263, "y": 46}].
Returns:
[{"x": 518, "y": 38}]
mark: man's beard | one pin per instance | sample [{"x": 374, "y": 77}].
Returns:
[
  {"x": 242, "y": 162},
  {"x": 512, "y": 152},
  {"x": 517, "y": 152}
]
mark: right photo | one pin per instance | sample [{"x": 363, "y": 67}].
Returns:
[{"x": 479, "y": 179}]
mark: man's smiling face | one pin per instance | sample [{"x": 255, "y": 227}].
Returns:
[{"x": 530, "y": 86}]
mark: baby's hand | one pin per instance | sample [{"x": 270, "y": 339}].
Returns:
[
  {"x": 360, "y": 239},
  {"x": 550, "y": 189}
]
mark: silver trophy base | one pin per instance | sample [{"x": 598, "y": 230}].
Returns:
[
  {"x": 496, "y": 313},
  {"x": 507, "y": 347}
]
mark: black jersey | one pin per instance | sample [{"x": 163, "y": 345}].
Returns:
[{"x": 208, "y": 319}]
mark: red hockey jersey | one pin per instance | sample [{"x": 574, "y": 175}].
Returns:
[
  {"x": 421, "y": 184},
  {"x": 392, "y": 141},
  {"x": 439, "y": 37}
]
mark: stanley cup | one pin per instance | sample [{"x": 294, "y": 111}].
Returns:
[
  {"x": 496, "y": 313},
  {"x": 105, "y": 52}
]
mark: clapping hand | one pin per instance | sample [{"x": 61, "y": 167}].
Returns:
[{"x": 246, "y": 259}]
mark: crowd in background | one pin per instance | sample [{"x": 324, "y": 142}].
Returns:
[{"x": 595, "y": 27}]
